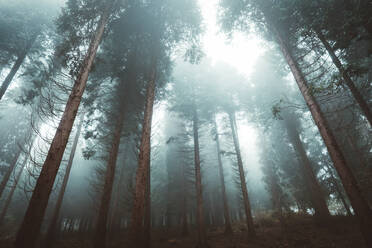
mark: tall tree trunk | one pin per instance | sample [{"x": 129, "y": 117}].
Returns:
[
  {"x": 9, "y": 172},
  {"x": 30, "y": 227},
  {"x": 185, "y": 230},
  {"x": 247, "y": 205},
  {"x": 147, "y": 221},
  {"x": 358, "y": 202},
  {"x": 202, "y": 236},
  {"x": 317, "y": 198},
  {"x": 339, "y": 192},
  {"x": 21, "y": 57},
  {"x": 101, "y": 225},
  {"x": 138, "y": 212},
  {"x": 349, "y": 82},
  {"x": 50, "y": 236},
  {"x": 226, "y": 212},
  {"x": 12, "y": 190}
]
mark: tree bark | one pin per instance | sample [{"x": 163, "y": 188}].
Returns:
[
  {"x": 9, "y": 172},
  {"x": 17, "y": 64},
  {"x": 138, "y": 212},
  {"x": 50, "y": 236},
  {"x": 147, "y": 221},
  {"x": 316, "y": 195},
  {"x": 30, "y": 227},
  {"x": 202, "y": 236},
  {"x": 247, "y": 205},
  {"x": 12, "y": 190},
  {"x": 228, "y": 228},
  {"x": 349, "y": 82},
  {"x": 101, "y": 224},
  {"x": 358, "y": 202}
]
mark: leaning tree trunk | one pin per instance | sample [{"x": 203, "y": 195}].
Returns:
[
  {"x": 138, "y": 211},
  {"x": 50, "y": 235},
  {"x": 147, "y": 221},
  {"x": 316, "y": 195},
  {"x": 247, "y": 205},
  {"x": 30, "y": 227},
  {"x": 202, "y": 236},
  {"x": 339, "y": 192},
  {"x": 21, "y": 57},
  {"x": 226, "y": 212},
  {"x": 12, "y": 190},
  {"x": 9, "y": 172},
  {"x": 101, "y": 225},
  {"x": 358, "y": 202},
  {"x": 349, "y": 82}
]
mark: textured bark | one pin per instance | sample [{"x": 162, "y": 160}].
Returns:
[
  {"x": 147, "y": 221},
  {"x": 358, "y": 202},
  {"x": 50, "y": 235},
  {"x": 12, "y": 190},
  {"x": 9, "y": 172},
  {"x": 138, "y": 211},
  {"x": 316, "y": 195},
  {"x": 17, "y": 64},
  {"x": 247, "y": 205},
  {"x": 349, "y": 82},
  {"x": 30, "y": 227},
  {"x": 226, "y": 212},
  {"x": 202, "y": 236},
  {"x": 100, "y": 235}
]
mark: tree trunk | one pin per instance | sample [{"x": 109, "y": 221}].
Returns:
[
  {"x": 12, "y": 190},
  {"x": 30, "y": 227},
  {"x": 185, "y": 230},
  {"x": 9, "y": 172},
  {"x": 50, "y": 236},
  {"x": 247, "y": 205},
  {"x": 359, "y": 204},
  {"x": 147, "y": 221},
  {"x": 226, "y": 212},
  {"x": 202, "y": 236},
  {"x": 349, "y": 82},
  {"x": 101, "y": 225},
  {"x": 138, "y": 212},
  {"x": 21, "y": 57},
  {"x": 316, "y": 195},
  {"x": 339, "y": 192}
]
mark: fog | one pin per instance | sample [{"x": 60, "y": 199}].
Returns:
[{"x": 185, "y": 123}]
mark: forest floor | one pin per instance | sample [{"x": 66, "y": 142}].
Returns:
[{"x": 301, "y": 232}]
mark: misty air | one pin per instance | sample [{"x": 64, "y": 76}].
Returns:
[{"x": 185, "y": 124}]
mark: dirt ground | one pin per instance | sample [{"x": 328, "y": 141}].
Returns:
[{"x": 300, "y": 232}]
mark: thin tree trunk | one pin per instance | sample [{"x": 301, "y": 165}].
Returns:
[
  {"x": 30, "y": 227},
  {"x": 147, "y": 221},
  {"x": 138, "y": 212},
  {"x": 339, "y": 192},
  {"x": 21, "y": 57},
  {"x": 349, "y": 82},
  {"x": 185, "y": 230},
  {"x": 317, "y": 198},
  {"x": 358, "y": 202},
  {"x": 226, "y": 212},
  {"x": 101, "y": 225},
  {"x": 12, "y": 190},
  {"x": 247, "y": 205},
  {"x": 202, "y": 236},
  {"x": 9, "y": 172},
  {"x": 50, "y": 236}
]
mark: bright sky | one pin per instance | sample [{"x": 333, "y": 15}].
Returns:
[{"x": 240, "y": 52}]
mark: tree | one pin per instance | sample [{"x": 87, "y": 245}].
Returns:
[
  {"x": 269, "y": 17},
  {"x": 29, "y": 230}
]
